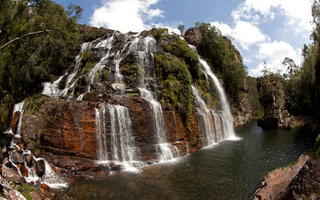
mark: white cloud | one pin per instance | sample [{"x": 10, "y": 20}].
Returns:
[
  {"x": 274, "y": 53},
  {"x": 247, "y": 34},
  {"x": 244, "y": 33},
  {"x": 172, "y": 28},
  {"x": 224, "y": 28},
  {"x": 297, "y": 11},
  {"x": 125, "y": 15}
]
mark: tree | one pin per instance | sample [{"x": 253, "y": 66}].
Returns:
[
  {"x": 74, "y": 11},
  {"x": 291, "y": 66},
  {"x": 181, "y": 29},
  {"x": 31, "y": 57}
]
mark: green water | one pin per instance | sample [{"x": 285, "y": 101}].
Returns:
[{"x": 228, "y": 170}]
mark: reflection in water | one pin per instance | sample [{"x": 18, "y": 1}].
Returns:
[{"x": 229, "y": 170}]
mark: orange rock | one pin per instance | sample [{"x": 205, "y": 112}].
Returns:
[
  {"x": 44, "y": 186},
  {"x": 24, "y": 171}
]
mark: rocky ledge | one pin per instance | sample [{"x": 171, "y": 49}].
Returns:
[{"x": 298, "y": 181}]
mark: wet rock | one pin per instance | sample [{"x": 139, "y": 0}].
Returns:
[
  {"x": 14, "y": 121},
  {"x": 9, "y": 173},
  {"x": 40, "y": 168},
  {"x": 23, "y": 171},
  {"x": 118, "y": 87},
  {"x": 116, "y": 168},
  {"x": 29, "y": 160},
  {"x": 16, "y": 158},
  {"x": 32, "y": 123}
]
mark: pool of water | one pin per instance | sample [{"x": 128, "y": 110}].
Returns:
[{"x": 227, "y": 170}]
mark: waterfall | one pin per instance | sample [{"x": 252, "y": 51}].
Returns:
[
  {"x": 206, "y": 117},
  {"x": 100, "y": 135},
  {"x": 122, "y": 149},
  {"x": 107, "y": 45},
  {"x": 144, "y": 47},
  {"x": 49, "y": 177},
  {"x": 52, "y": 89},
  {"x": 19, "y": 107},
  {"x": 227, "y": 120},
  {"x": 226, "y": 112}
]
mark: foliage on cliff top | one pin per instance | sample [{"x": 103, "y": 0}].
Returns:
[
  {"x": 179, "y": 58},
  {"x": 176, "y": 83},
  {"x": 224, "y": 60},
  {"x": 29, "y": 61},
  {"x": 269, "y": 86},
  {"x": 257, "y": 109}
]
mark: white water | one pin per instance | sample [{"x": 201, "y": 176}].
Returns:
[
  {"x": 52, "y": 89},
  {"x": 206, "y": 117},
  {"x": 226, "y": 112},
  {"x": 19, "y": 107},
  {"x": 49, "y": 178},
  {"x": 144, "y": 47},
  {"x": 122, "y": 150},
  {"x": 107, "y": 45}
]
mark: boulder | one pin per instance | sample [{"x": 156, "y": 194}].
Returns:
[
  {"x": 16, "y": 158},
  {"x": 29, "y": 160},
  {"x": 40, "y": 168},
  {"x": 9, "y": 173},
  {"x": 193, "y": 36},
  {"x": 23, "y": 171}
]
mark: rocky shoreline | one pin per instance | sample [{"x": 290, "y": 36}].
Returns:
[{"x": 299, "y": 180}]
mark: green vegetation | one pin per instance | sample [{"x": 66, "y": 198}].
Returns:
[
  {"x": 25, "y": 189},
  {"x": 224, "y": 60},
  {"x": 34, "y": 103},
  {"x": 27, "y": 62},
  {"x": 271, "y": 85},
  {"x": 300, "y": 85},
  {"x": 257, "y": 109},
  {"x": 158, "y": 32},
  {"x": 176, "y": 83}
]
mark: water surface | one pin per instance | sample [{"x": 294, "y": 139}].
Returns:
[{"x": 227, "y": 170}]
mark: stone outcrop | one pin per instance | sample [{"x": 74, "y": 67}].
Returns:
[
  {"x": 65, "y": 131},
  {"x": 193, "y": 36},
  {"x": 297, "y": 181},
  {"x": 271, "y": 97}
]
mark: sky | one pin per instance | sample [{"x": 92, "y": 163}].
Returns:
[{"x": 264, "y": 31}]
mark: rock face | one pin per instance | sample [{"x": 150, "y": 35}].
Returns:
[
  {"x": 271, "y": 97},
  {"x": 299, "y": 181},
  {"x": 77, "y": 118},
  {"x": 244, "y": 112},
  {"x": 193, "y": 36}
]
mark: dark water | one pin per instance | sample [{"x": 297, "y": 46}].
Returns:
[{"x": 228, "y": 170}]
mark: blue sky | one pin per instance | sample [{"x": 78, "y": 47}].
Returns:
[{"x": 263, "y": 30}]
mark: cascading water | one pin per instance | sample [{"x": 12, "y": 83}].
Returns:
[
  {"x": 206, "y": 117},
  {"x": 226, "y": 112},
  {"x": 144, "y": 47},
  {"x": 49, "y": 177},
  {"x": 105, "y": 44},
  {"x": 52, "y": 89},
  {"x": 121, "y": 150},
  {"x": 227, "y": 120},
  {"x": 20, "y": 107}
]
